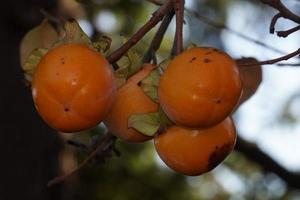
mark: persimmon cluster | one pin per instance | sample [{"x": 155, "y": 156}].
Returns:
[
  {"x": 184, "y": 104},
  {"x": 74, "y": 89}
]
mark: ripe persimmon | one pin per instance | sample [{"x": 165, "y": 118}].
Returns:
[
  {"x": 200, "y": 87},
  {"x": 196, "y": 151},
  {"x": 130, "y": 99},
  {"x": 73, "y": 87}
]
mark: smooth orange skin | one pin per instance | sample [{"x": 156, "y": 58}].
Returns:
[
  {"x": 130, "y": 99},
  {"x": 200, "y": 87},
  {"x": 196, "y": 151},
  {"x": 73, "y": 88}
]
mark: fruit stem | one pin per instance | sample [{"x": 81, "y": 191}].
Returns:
[
  {"x": 156, "y": 17},
  {"x": 179, "y": 10},
  {"x": 107, "y": 141},
  {"x": 157, "y": 39}
]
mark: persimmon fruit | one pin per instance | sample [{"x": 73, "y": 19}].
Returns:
[
  {"x": 130, "y": 99},
  {"x": 200, "y": 87},
  {"x": 73, "y": 87},
  {"x": 196, "y": 151}
]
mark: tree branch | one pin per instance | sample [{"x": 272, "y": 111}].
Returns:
[
  {"x": 105, "y": 143},
  {"x": 155, "y": 44},
  {"x": 179, "y": 10},
  {"x": 283, "y": 10},
  {"x": 156, "y": 17},
  {"x": 273, "y": 22},
  {"x": 288, "y": 32},
  {"x": 253, "y": 152},
  {"x": 217, "y": 25}
]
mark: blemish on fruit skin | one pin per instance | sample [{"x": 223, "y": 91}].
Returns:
[
  {"x": 206, "y": 60},
  {"x": 62, "y": 61},
  {"x": 66, "y": 109},
  {"x": 217, "y": 100},
  {"x": 193, "y": 59},
  {"x": 74, "y": 81},
  {"x": 218, "y": 155}
]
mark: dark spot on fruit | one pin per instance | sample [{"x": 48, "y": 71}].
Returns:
[
  {"x": 57, "y": 74},
  {"x": 66, "y": 109},
  {"x": 193, "y": 59},
  {"x": 217, "y": 101},
  {"x": 219, "y": 155},
  {"x": 140, "y": 83},
  {"x": 62, "y": 61},
  {"x": 206, "y": 60}
]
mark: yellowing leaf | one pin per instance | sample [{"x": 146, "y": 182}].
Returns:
[
  {"x": 74, "y": 34},
  {"x": 147, "y": 124},
  {"x": 42, "y": 36}
]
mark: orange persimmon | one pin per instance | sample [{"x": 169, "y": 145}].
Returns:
[
  {"x": 130, "y": 99},
  {"x": 200, "y": 87},
  {"x": 196, "y": 151},
  {"x": 73, "y": 87}
]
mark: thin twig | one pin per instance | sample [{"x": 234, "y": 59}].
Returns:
[
  {"x": 105, "y": 142},
  {"x": 156, "y": 42},
  {"x": 224, "y": 27},
  {"x": 179, "y": 10},
  {"x": 156, "y": 2},
  {"x": 156, "y": 17},
  {"x": 273, "y": 22},
  {"x": 273, "y": 61},
  {"x": 284, "y": 11},
  {"x": 288, "y": 32},
  {"x": 288, "y": 64}
]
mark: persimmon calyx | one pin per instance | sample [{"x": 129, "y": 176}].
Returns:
[
  {"x": 150, "y": 85},
  {"x": 32, "y": 61},
  {"x": 128, "y": 65},
  {"x": 102, "y": 44},
  {"x": 149, "y": 123}
]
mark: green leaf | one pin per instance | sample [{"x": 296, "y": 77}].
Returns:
[
  {"x": 150, "y": 84},
  {"x": 74, "y": 34},
  {"x": 32, "y": 61},
  {"x": 102, "y": 44},
  {"x": 147, "y": 124}
]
